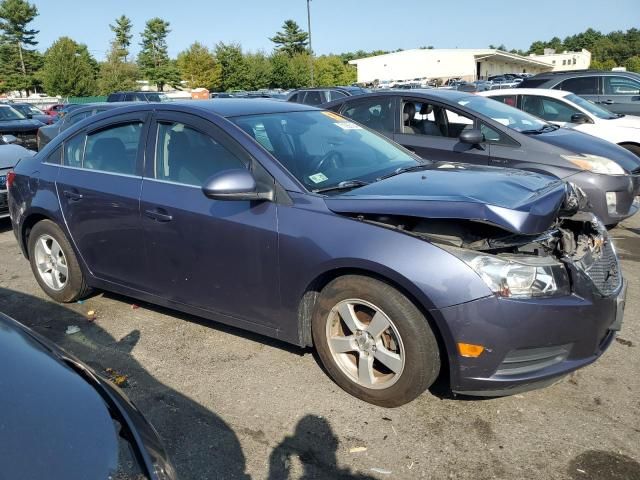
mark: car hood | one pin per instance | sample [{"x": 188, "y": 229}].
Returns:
[
  {"x": 25, "y": 125},
  {"x": 517, "y": 201},
  {"x": 626, "y": 121},
  {"x": 10, "y": 154},
  {"x": 579, "y": 142}
]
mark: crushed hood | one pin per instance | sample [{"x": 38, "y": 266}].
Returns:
[{"x": 517, "y": 201}]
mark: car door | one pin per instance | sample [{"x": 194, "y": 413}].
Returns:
[
  {"x": 621, "y": 95},
  {"x": 213, "y": 254},
  {"x": 432, "y": 129},
  {"x": 585, "y": 86},
  {"x": 99, "y": 188}
]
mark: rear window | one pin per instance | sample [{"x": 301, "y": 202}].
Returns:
[{"x": 532, "y": 82}]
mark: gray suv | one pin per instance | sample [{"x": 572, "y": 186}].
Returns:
[{"x": 618, "y": 91}]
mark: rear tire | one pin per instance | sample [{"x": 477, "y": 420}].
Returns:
[
  {"x": 54, "y": 263},
  {"x": 374, "y": 342}
]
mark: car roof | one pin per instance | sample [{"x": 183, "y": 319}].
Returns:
[
  {"x": 542, "y": 92},
  {"x": 432, "y": 93},
  {"x": 235, "y": 107},
  {"x": 580, "y": 73}
]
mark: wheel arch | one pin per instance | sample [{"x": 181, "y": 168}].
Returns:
[
  {"x": 27, "y": 225},
  {"x": 312, "y": 291}
]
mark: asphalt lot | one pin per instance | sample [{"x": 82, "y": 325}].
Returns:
[{"x": 230, "y": 404}]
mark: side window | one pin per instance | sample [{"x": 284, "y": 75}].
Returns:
[
  {"x": 335, "y": 95},
  {"x": 375, "y": 113},
  {"x": 74, "y": 151},
  {"x": 185, "y": 155},
  {"x": 549, "y": 109},
  {"x": 494, "y": 136},
  {"x": 421, "y": 118},
  {"x": 510, "y": 100},
  {"x": 580, "y": 85},
  {"x": 113, "y": 149},
  {"x": 621, "y": 86},
  {"x": 54, "y": 157},
  {"x": 72, "y": 119},
  {"x": 294, "y": 97}
]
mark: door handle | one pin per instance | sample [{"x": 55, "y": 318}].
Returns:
[
  {"x": 159, "y": 215},
  {"x": 608, "y": 102},
  {"x": 72, "y": 195}
]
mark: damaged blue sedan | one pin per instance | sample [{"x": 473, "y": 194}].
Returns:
[{"x": 296, "y": 223}]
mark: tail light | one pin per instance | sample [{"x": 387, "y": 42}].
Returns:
[{"x": 11, "y": 176}]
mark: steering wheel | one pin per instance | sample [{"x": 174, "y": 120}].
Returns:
[{"x": 332, "y": 158}]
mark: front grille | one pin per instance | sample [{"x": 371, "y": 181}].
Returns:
[
  {"x": 4, "y": 206},
  {"x": 527, "y": 360},
  {"x": 605, "y": 272}
]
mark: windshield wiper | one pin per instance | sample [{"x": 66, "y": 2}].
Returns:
[
  {"x": 545, "y": 128},
  {"x": 400, "y": 170},
  {"x": 347, "y": 184}
]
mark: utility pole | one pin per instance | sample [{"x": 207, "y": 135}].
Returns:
[{"x": 309, "y": 31}]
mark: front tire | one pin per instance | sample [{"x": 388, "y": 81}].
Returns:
[
  {"x": 374, "y": 342},
  {"x": 54, "y": 263}
]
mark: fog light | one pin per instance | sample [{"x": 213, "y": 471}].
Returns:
[
  {"x": 612, "y": 200},
  {"x": 470, "y": 350}
]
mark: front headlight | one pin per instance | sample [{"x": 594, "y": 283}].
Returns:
[
  {"x": 517, "y": 276},
  {"x": 595, "y": 164}
]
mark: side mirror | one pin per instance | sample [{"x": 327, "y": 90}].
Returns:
[
  {"x": 236, "y": 184},
  {"x": 580, "y": 118},
  {"x": 472, "y": 137},
  {"x": 9, "y": 139}
]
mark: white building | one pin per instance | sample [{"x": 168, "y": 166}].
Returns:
[
  {"x": 565, "y": 60},
  {"x": 468, "y": 64}
]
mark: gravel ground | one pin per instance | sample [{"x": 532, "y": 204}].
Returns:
[{"x": 231, "y": 404}]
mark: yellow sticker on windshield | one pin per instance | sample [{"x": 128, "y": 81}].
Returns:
[{"x": 335, "y": 116}]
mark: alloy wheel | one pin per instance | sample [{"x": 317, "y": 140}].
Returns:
[{"x": 51, "y": 262}]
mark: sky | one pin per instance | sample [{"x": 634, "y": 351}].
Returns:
[{"x": 337, "y": 25}]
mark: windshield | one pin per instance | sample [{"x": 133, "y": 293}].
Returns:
[
  {"x": 591, "y": 107},
  {"x": 322, "y": 149},
  {"x": 508, "y": 116},
  {"x": 10, "y": 113}
]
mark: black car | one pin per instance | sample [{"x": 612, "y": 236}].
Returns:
[
  {"x": 316, "y": 96},
  {"x": 60, "y": 420},
  {"x": 463, "y": 127},
  {"x": 137, "y": 97},
  {"x": 31, "y": 111},
  {"x": 12, "y": 122},
  {"x": 618, "y": 91},
  {"x": 73, "y": 116}
]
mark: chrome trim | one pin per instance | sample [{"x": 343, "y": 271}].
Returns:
[{"x": 98, "y": 171}]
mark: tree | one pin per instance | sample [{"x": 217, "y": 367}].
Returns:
[
  {"x": 18, "y": 62},
  {"x": 291, "y": 40},
  {"x": 116, "y": 73},
  {"x": 69, "y": 69},
  {"x": 633, "y": 64},
  {"x": 259, "y": 71},
  {"x": 331, "y": 70},
  {"x": 234, "y": 72},
  {"x": 153, "y": 59},
  {"x": 122, "y": 42},
  {"x": 198, "y": 67}
]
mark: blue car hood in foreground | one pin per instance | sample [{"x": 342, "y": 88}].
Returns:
[
  {"x": 579, "y": 142},
  {"x": 517, "y": 201},
  {"x": 10, "y": 154}
]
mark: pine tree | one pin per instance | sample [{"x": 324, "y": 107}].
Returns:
[
  {"x": 122, "y": 42},
  {"x": 153, "y": 59},
  {"x": 18, "y": 62},
  {"x": 292, "y": 40},
  {"x": 69, "y": 69}
]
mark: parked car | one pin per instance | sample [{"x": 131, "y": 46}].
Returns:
[
  {"x": 75, "y": 114},
  {"x": 10, "y": 154},
  {"x": 62, "y": 420},
  {"x": 53, "y": 110},
  {"x": 463, "y": 127},
  {"x": 137, "y": 97},
  {"x": 618, "y": 92},
  {"x": 30, "y": 111},
  {"x": 12, "y": 122},
  {"x": 316, "y": 96},
  {"x": 299, "y": 224},
  {"x": 567, "y": 109}
]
